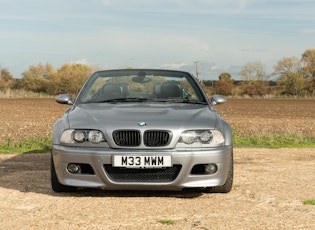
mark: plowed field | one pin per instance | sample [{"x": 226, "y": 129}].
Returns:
[
  {"x": 28, "y": 118},
  {"x": 270, "y": 116}
]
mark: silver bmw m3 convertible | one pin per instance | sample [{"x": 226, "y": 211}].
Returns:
[{"x": 141, "y": 129}]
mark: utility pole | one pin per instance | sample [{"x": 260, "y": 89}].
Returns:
[{"x": 196, "y": 63}]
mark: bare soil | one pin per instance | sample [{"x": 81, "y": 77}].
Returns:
[
  {"x": 28, "y": 117},
  {"x": 270, "y": 116},
  {"x": 270, "y": 186},
  {"x": 34, "y": 117}
]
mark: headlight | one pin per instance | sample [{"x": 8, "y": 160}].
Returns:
[
  {"x": 188, "y": 137},
  {"x": 210, "y": 137},
  {"x": 72, "y": 136},
  {"x": 95, "y": 136},
  {"x": 79, "y": 135},
  {"x": 218, "y": 138},
  {"x": 205, "y": 136}
]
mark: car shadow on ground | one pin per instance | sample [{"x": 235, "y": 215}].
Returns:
[{"x": 30, "y": 172}]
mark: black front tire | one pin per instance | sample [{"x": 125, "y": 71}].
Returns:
[
  {"x": 227, "y": 186},
  {"x": 55, "y": 185}
]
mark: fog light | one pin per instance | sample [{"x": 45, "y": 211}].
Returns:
[
  {"x": 204, "y": 169},
  {"x": 74, "y": 168},
  {"x": 211, "y": 168}
]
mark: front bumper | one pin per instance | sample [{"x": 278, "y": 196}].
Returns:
[{"x": 97, "y": 158}]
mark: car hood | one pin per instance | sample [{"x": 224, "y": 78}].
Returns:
[{"x": 167, "y": 116}]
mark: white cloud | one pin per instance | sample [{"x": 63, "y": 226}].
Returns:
[
  {"x": 107, "y": 2},
  {"x": 83, "y": 61},
  {"x": 175, "y": 65},
  {"x": 308, "y": 31}
]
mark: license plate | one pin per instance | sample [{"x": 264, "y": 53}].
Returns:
[{"x": 128, "y": 161}]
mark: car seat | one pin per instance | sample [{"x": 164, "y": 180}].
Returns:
[
  {"x": 170, "y": 89},
  {"x": 114, "y": 90}
]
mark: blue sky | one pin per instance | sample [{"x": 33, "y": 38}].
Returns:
[{"x": 221, "y": 35}]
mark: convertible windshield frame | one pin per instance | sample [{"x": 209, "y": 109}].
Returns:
[{"x": 140, "y": 85}]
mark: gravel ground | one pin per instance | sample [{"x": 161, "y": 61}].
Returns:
[{"x": 270, "y": 186}]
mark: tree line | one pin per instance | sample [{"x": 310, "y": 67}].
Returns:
[
  {"x": 48, "y": 80},
  {"x": 293, "y": 76}
]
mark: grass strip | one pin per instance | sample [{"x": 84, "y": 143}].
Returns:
[
  {"x": 274, "y": 141},
  {"x": 28, "y": 145},
  {"x": 166, "y": 221},
  {"x": 43, "y": 144},
  {"x": 309, "y": 202}
]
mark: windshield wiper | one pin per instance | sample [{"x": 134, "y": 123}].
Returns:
[
  {"x": 132, "y": 99},
  {"x": 139, "y": 99},
  {"x": 182, "y": 101}
]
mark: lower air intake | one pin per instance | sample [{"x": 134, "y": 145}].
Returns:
[{"x": 142, "y": 175}]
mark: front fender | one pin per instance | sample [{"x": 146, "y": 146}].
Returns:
[
  {"x": 226, "y": 130},
  {"x": 227, "y": 133},
  {"x": 58, "y": 128}
]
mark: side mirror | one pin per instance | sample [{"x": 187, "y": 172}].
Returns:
[
  {"x": 217, "y": 99},
  {"x": 64, "y": 99}
]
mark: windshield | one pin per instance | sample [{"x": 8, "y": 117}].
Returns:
[{"x": 140, "y": 85}]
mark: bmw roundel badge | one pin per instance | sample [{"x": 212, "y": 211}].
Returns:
[{"x": 142, "y": 123}]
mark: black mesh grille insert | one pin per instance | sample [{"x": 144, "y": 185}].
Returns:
[
  {"x": 127, "y": 137},
  {"x": 142, "y": 175},
  {"x": 156, "y": 138}
]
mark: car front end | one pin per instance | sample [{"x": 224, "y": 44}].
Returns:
[{"x": 142, "y": 145}]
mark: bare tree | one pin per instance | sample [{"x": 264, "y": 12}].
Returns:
[
  {"x": 308, "y": 59},
  {"x": 255, "y": 77},
  {"x": 37, "y": 78},
  {"x": 290, "y": 73},
  {"x": 253, "y": 71},
  {"x": 6, "y": 81}
]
